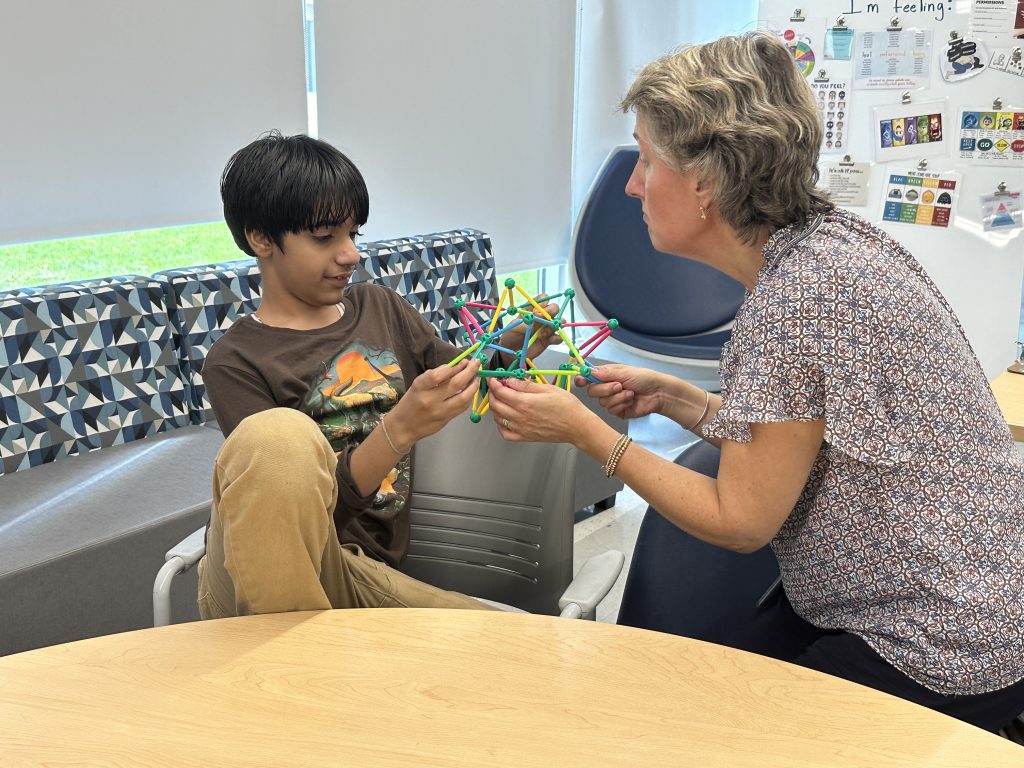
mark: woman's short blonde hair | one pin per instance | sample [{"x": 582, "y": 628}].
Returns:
[{"x": 737, "y": 113}]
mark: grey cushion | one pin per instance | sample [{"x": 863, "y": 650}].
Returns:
[{"x": 81, "y": 539}]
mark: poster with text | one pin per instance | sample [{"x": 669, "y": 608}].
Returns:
[{"x": 920, "y": 198}]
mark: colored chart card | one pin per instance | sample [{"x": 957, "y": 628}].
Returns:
[
  {"x": 898, "y": 58},
  {"x": 909, "y": 130},
  {"x": 804, "y": 38},
  {"x": 920, "y": 198},
  {"x": 989, "y": 137},
  {"x": 833, "y": 99}
]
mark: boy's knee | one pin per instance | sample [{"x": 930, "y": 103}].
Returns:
[{"x": 280, "y": 434}]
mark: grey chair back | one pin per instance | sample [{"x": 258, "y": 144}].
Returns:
[{"x": 491, "y": 518}]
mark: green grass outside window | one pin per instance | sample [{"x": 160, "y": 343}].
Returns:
[{"x": 142, "y": 252}]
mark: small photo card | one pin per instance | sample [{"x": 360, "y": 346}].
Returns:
[
  {"x": 921, "y": 198},
  {"x": 909, "y": 130}
]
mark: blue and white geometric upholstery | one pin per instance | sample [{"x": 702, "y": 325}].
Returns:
[
  {"x": 430, "y": 271},
  {"x": 85, "y": 365}
]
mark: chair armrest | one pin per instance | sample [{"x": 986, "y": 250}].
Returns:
[
  {"x": 178, "y": 559},
  {"x": 190, "y": 549},
  {"x": 591, "y": 585}
]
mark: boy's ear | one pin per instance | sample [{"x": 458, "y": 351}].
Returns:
[{"x": 260, "y": 243}]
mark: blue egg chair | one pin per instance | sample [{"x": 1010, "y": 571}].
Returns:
[{"x": 674, "y": 314}]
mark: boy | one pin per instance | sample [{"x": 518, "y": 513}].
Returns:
[{"x": 321, "y": 394}]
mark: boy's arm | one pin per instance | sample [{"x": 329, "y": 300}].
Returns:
[{"x": 234, "y": 394}]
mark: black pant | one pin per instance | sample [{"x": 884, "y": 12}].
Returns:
[{"x": 778, "y": 632}]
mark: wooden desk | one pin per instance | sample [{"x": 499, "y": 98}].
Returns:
[
  {"x": 1009, "y": 391},
  {"x": 451, "y": 688}
]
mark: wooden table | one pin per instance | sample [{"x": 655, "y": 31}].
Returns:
[
  {"x": 451, "y": 688},
  {"x": 1009, "y": 391}
]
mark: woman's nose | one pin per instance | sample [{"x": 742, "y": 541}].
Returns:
[{"x": 635, "y": 187}]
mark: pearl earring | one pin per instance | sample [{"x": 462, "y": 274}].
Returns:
[{"x": 703, "y": 216}]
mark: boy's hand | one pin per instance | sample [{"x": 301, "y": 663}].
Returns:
[
  {"x": 435, "y": 398},
  {"x": 545, "y": 338}
]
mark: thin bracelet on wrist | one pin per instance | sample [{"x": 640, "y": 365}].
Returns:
[
  {"x": 616, "y": 454},
  {"x": 707, "y": 405},
  {"x": 384, "y": 428}
]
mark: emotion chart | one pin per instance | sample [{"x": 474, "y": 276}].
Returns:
[{"x": 920, "y": 198}]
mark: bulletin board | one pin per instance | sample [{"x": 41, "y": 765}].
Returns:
[{"x": 923, "y": 109}]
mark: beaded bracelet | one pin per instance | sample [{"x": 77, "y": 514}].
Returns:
[{"x": 615, "y": 454}]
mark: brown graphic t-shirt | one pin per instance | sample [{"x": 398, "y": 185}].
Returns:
[{"x": 344, "y": 376}]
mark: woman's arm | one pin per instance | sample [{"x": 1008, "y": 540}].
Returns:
[
  {"x": 758, "y": 483},
  {"x": 757, "y": 486},
  {"x": 631, "y": 392}
]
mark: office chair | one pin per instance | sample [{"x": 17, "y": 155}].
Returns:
[
  {"x": 489, "y": 518},
  {"x": 684, "y": 586},
  {"x": 674, "y": 313}
]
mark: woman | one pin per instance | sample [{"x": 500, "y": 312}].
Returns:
[{"x": 858, "y": 433}]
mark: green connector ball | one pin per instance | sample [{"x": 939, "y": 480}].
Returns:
[
  {"x": 520, "y": 374},
  {"x": 613, "y": 323},
  {"x": 510, "y": 282},
  {"x": 513, "y": 311},
  {"x": 584, "y": 371},
  {"x": 460, "y": 303},
  {"x": 475, "y": 418},
  {"x": 569, "y": 293},
  {"x": 528, "y": 318}
]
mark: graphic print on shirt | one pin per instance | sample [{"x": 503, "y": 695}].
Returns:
[{"x": 347, "y": 397}]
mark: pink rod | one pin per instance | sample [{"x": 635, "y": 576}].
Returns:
[
  {"x": 591, "y": 344},
  {"x": 472, "y": 319},
  {"x": 466, "y": 318}
]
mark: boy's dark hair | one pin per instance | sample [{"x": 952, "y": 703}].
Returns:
[{"x": 279, "y": 184}]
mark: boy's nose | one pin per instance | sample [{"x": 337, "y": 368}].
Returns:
[{"x": 348, "y": 254}]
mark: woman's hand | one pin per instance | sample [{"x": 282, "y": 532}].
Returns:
[
  {"x": 435, "y": 397},
  {"x": 626, "y": 391},
  {"x": 533, "y": 412}
]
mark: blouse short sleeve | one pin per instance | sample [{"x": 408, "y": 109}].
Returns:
[{"x": 802, "y": 349}]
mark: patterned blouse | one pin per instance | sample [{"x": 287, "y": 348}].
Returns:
[{"x": 910, "y": 530}]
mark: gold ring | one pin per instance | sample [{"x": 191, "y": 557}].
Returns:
[{"x": 505, "y": 423}]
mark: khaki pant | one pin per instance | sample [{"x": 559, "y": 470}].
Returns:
[{"x": 272, "y": 545}]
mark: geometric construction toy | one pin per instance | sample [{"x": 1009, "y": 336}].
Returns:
[{"x": 531, "y": 314}]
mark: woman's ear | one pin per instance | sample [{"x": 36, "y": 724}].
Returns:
[
  {"x": 261, "y": 245},
  {"x": 705, "y": 192}
]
